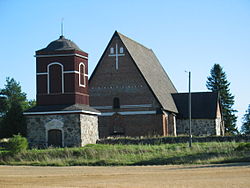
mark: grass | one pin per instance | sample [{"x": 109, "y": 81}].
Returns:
[{"x": 112, "y": 155}]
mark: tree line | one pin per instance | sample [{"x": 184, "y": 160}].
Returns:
[{"x": 13, "y": 102}]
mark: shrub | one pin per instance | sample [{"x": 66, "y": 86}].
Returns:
[{"x": 17, "y": 144}]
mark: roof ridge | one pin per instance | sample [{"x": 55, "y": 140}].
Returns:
[
  {"x": 134, "y": 41},
  {"x": 153, "y": 72},
  {"x": 196, "y": 92}
]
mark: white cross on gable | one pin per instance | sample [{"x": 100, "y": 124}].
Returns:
[{"x": 116, "y": 55}]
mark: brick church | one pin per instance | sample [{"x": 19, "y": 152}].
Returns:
[
  {"x": 128, "y": 94},
  {"x": 137, "y": 98}
]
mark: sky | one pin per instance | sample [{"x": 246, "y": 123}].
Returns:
[{"x": 185, "y": 35}]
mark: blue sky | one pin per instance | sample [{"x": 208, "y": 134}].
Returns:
[{"x": 185, "y": 35}]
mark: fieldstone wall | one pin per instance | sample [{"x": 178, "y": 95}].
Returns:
[
  {"x": 200, "y": 127},
  {"x": 77, "y": 129},
  {"x": 89, "y": 129},
  {"x": 36, "y": 131},
  {"x": 173, "y": 140}
]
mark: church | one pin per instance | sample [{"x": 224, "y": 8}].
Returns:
[
  {"x": 137, "y": 98},
  {"x": 128, "y": 94}
]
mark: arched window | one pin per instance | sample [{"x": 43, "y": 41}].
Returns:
[
  {"x": 55, "y": 78},
  {"x": 111, "y": 50},
  {"x": 116, "y": 103},
  {"x": 121, "y": 50},
  {"x": 82, "y": 81}
]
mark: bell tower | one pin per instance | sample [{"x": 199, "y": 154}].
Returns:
[
  {"x": 62, "y": 74},
  {"x": 62, "y": 117}
]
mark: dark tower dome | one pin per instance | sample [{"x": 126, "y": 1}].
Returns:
[{"x": 60, "y": 44}]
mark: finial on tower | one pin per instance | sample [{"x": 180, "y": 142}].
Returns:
[{"x": 62, "y": 26}]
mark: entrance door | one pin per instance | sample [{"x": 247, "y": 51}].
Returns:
[
  {"x": 118, "y": 128},
  {"x": 55, "y": 138}
]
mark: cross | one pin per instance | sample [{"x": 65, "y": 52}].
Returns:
[{"x": 116, "y": 55}]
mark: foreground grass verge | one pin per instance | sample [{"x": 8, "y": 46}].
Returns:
[{"x": 111, "y": 155}]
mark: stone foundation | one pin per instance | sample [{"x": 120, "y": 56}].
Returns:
[{"x": 77, "y": 129}]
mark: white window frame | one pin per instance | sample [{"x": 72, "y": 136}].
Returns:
[
  {"x": 48, "y": 78},
  {"x": 79, "y": 73}
]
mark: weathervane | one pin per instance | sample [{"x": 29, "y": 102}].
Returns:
[{"x": 62, "y": 26}]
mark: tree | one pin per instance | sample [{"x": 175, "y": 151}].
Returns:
[
  {"x": 13, "y": 102},
  {"x": 217, "y": 81},
  {"x": 13, "y": 122},
  {"x": 245, "y": 128}
]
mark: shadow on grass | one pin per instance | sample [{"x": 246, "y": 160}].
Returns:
[{"x": 192, "y": 159}]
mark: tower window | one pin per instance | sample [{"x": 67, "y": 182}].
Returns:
[
  {"x": 116, "y": 103},
  {"x": 55, "y": 78},
  {"x": 82, "y": 81}
]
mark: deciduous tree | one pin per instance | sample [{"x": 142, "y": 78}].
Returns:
[{"x": 12, "y": 104}]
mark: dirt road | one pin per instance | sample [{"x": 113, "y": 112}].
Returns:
[{"x": 202, "y": 176}]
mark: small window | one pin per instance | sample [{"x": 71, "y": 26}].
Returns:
[
  {"x": 82, "y": 75},
  {"x": 116, "y": 103},
  {"x": 121, "y": 50},
  {"x": 111, "y": 50}
]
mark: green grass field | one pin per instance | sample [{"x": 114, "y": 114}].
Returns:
[{"x": 113, "y": 155}]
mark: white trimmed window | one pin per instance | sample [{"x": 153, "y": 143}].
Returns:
[
  {"x": 82, "y": 80},
  {"x": 55, "y": 78}
]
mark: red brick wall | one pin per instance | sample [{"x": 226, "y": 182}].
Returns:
[
  {"x": 131, "y": 125},
  {"x": 128, "y": 84},
  {"x": 73, "y": 92}
]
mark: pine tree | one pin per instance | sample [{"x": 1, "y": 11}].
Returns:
[
  {"x": 217, "y": 81},
  {"x": 245, "y": 128}
]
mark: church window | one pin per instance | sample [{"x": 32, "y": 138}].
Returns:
[
  {"x": 111, "y": 50},
  {"x": 121, "y": 50},
  {"x": 82, "y": 81},
  {"x": 55, "y": 78},
  {"x": 116, "y": 103}
]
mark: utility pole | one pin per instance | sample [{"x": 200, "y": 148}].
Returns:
[{"x": 189, "y": 109}]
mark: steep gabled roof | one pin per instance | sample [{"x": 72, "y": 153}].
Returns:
[
  {"x": 152, "y": 71},
  {"x": 204, "y": 105}
]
